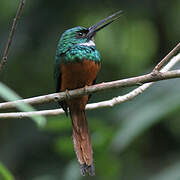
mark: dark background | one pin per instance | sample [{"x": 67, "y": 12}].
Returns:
[{"x": 135, "y": 140}]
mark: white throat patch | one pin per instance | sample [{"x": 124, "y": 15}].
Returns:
[{"x": 89, "y": 43}]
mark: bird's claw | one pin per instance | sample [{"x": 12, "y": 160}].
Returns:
[
  {"x": 67, "y": 94},
  {"x": 85, "y": 88}
]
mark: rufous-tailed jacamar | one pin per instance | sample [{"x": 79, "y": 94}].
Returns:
[{"x": 77, "y": 63}]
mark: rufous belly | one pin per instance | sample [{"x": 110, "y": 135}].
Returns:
[{"x": 77, "y": 75}]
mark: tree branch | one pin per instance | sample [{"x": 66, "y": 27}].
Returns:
[
  {"x": 167, "y": 58},
  {"x": 11, "y": 34}
]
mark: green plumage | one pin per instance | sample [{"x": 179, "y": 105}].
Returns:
[
  {"x": 79, "y": 52},
  {"x": 69, "y": 38},
  {"x": 69, "y": 49}
]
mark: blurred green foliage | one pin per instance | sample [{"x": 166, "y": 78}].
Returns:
[
  {"x": 9, "y": 95},
  {"x": 4, "y": 173},
  {"x": 135, "y": 140}
]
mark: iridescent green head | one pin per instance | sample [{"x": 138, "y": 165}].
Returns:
[
  {"x": 78, "y": 43},
  {"x": 71, "y": 37}
]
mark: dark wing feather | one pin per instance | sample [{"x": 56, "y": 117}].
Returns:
[
  {"x": 57, "y": 78},
  {"x": 94, "y": 82}
]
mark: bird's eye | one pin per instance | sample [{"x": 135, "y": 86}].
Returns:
[{"x": 81, "y": 34}]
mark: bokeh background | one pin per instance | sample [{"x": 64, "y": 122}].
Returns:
[{"x": 136, "y": 140}]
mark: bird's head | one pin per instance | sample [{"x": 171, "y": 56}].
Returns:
[{"x": 84, "y": 36}]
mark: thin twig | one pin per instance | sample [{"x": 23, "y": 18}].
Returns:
[
  {"x": 167, "y": 58},
  {"x": 11, "y": 34}
]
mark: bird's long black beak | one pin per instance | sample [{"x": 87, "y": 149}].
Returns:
[{"x": 103, "y": 23}]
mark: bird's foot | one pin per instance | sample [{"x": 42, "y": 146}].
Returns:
[
  {"x": 67, "y": 94},
  {"x": 84, "y": 168},
  {"x": 85, "y": 88}
]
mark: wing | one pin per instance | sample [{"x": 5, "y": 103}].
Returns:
[
  {"x": 57, "y": 78},
  {"x": 94, "y": 82}
]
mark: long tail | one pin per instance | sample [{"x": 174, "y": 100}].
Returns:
[{"x": 82, "y": 141}]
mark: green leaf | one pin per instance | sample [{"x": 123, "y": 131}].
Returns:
[
  {"x": 4, "y": 173},
  {"x": 9, "y": 95}
]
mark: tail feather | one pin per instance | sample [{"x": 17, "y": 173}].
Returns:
[{"x": 82, "y": 141}]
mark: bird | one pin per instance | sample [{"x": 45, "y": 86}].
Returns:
[{"x": 77, "y": 63}]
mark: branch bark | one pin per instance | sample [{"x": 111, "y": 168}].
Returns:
[{"x": 11, "y": 35}]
